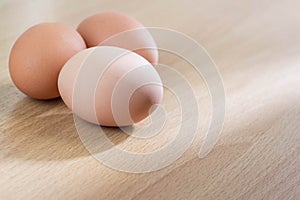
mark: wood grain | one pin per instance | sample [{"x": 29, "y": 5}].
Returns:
[{"x": 256, "y": 47}]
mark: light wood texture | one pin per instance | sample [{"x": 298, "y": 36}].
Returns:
[{"x": 255, "y": 44}]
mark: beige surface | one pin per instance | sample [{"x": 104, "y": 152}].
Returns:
[{"x": 256, "y": 46}]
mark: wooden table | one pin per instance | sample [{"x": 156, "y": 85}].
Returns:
[{"x": 256, "y": 46}]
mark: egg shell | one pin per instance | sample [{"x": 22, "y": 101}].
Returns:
[
  {"x": 99, "y": 28},
  {"x": 38, "y": 55},
  {"x": 110, "y": 86}
]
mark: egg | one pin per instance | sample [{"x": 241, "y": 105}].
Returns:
[
  {"x": 110, "y": 86},
  {"x": 38, "y": 55},
  {"x": 98, "y": 29}
]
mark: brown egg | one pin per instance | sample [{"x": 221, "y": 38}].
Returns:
[
  {"x": 110, "y": 86},
  {"x": 100, "y": 28},
  {"x": 38, "y": 55}
]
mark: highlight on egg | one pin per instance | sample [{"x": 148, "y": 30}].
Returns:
[
  {"x": 110, "y": 86},
  {"x": 38, "y": 55},
  {"x": 98, "y": 29}
]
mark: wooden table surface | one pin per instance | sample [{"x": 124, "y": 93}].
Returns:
[{"x": 255, "y": 44}]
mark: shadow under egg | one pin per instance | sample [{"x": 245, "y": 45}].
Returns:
[{"x": 44, "y": 130}]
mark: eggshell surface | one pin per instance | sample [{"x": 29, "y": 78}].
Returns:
[
  {"x": 99, "y": 28},
  {"x": 110, "y": 86},
  {"x": 38, "y": 55}
]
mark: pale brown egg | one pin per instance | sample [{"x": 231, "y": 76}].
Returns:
[
  {"x": 38, "y": 55},
  {"x": 100, "y": 28},
  {"x": 110, "y": 86}
]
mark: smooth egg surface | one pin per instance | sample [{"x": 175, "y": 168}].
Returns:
[
  {"x": 38, "y": 55},
  {"x": 98, "y": 29},
  {"x": 110, "y": 86}
]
